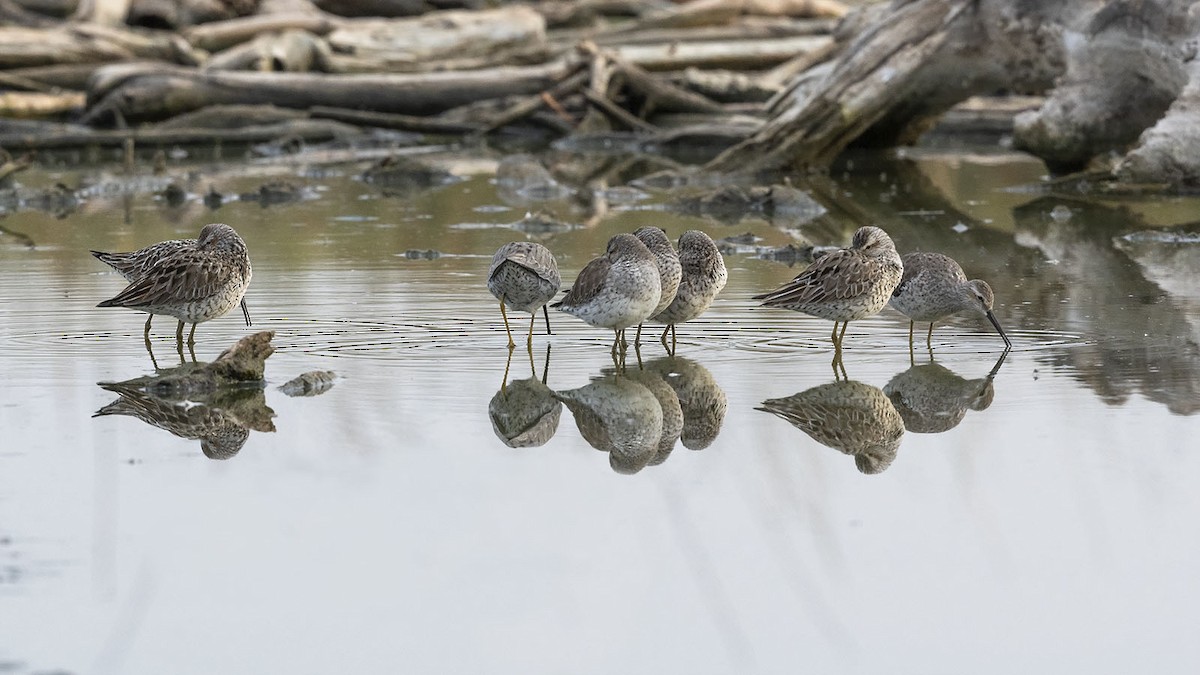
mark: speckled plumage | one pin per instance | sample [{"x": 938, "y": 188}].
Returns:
[
  {"x": 669, "y": 269},
  {"x": 934, "y": 287},
  {"x": 524, "y": 275},
  {"x": 619, "y": 416},
  {"x": 221, "y": 433},
  {"x": 193, "y": 280},
  {"x": 617, "y": 290},
  {"x": 703, "y": 277},
  {"x": 851, "y": 417},
  {"x": 525, "y": 413},
  {"x": 701, "y": 399},
  {"x": 932, "y": 399},
  {"x": 845, "y": 285}
]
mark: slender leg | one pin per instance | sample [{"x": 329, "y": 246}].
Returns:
[
  {"x": 532, "y": 368},
  {"x": 192, "y": 350},
  {"x": 546, "y": 368},
  {"x": 508, "y": 330},
  {"x": 546, "y": 313},
  {"x": 504, "y": 382},
  {"x": 663, "y": 338},
  {"x": 624, "y": 343},
  {"x": 529, "y": 339},
  {"x": 146, "y": 339},
  {"x": 929, "y": 337},
  {"x": 672, "y": 339},
  {"x": 912, "y": 358},
  {"x": 192, "y": 336},
  {"x": 616, "y": 340},
  {"x": 637, "y": 337},
  {"x": 637, "y": 350},
  {"x": 150, "y": 351},
  {"x": 833, "y": 336},
  {"x": 842, "y": 335},
  {"x": 246, "y": 312},
  {"x": 179, "y": 341}
]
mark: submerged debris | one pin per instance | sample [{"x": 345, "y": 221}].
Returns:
[{"x": 312, "y": 383}]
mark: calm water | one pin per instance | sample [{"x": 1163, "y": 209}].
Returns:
[{"x": 1040, "y": 521}]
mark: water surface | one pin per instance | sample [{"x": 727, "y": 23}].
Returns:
[{"x": 1035, "y": 517}]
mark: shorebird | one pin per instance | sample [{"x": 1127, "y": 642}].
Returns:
[
  {"x": 524, "y": 274},
  {"x": 193, "y": 280},
  {"x": 704, "y": 276},
  {"x": 620, "y": 416},
  {"x": 669, "y": 269},
  {"x": 934, "y": 287},
  {"x": 844, "y": 285},
  {"x": 850, "y": 417},
  {"x": 617, "y": 290}
]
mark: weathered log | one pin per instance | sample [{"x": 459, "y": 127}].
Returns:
[
  {"x": 743, "y": 28},
  {"x": 62, "y": 76},
  {"x": 529, "y": 105},
  {"x": 13, "y": 14},
  {"x": 25, "y": 47},
  {"x": 289, "y": 51},
  {"x": 732, "y": 54},
  {"x": 1113, "y": 67},
  {"x": 438, "y": 35},
  {"x": 33, "y": 105},
  {"x": 423, "y": 125},
  {"x": 375, "y": 8},
  {"x": 59, "y": 9},
  {"x": 102, "y": 12},
  {"x": 224, "y": 34},
  {"x": 136, "y": 94},
  {"x": 1120, "y": 78},
  {"x": 1169, "y": 152},
  {"x": 659, "y": 94},
  {"x": 907, "y": 63}
]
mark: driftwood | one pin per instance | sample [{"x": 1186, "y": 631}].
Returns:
[
  {"x": 33, "y": 105},
  {"x": 148, "y": 94},
  {"x": 23, "y": 47},
  {"x": 1117, "y": 74},
  {"x": 444, "y": 34}
]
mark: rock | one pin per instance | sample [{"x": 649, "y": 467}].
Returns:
[{"x": 312, "y": 383}]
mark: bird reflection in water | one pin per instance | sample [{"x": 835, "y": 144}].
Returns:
[
  {"x": 525, "y": 413},
  {"x": 932, "y": 398},
  {"x": 700, "y": 398},
  {"x": 639, "y": 416},
  {"x": 220, "y": 420},
  {"x": 850, "y": 417}
]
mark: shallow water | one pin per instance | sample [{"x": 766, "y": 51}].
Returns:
[{"x": 1041, "y": 519}]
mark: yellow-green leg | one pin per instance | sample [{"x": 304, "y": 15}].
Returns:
[
  {"x": 529, "y": 339},
  {"x": 637, "y": 337},
  {"x": 504, "y": 381},
  {"x": 508, "y": 330},
  {"x": 192, "y": 336}
]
